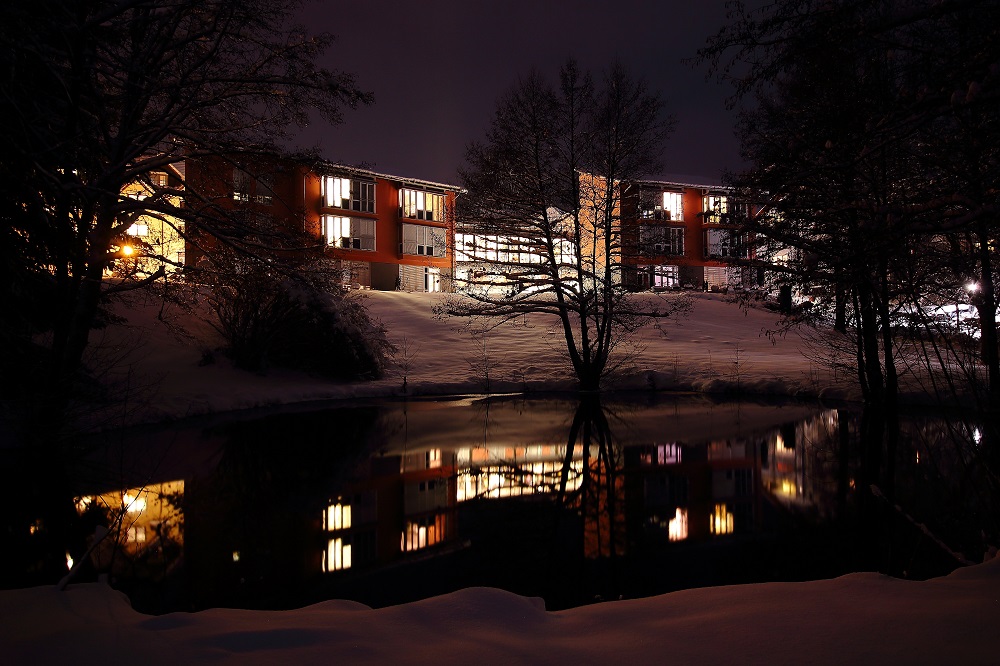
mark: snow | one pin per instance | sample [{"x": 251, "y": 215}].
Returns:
[
  {"x": 860, "y": 618},
  {"x": 717, "y": 347}
]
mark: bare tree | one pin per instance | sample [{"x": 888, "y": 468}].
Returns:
[
  {"x": 100, "y": 94},
  {"x": 871, "y": 140},
  {"x": 539, "y": 229}
]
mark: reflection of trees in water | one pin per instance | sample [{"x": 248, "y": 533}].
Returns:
[
  {"x": 587, "y": 479},
  {"x": 909, "y": 490}
]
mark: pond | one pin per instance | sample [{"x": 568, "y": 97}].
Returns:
[{"x": 387, "y": 501}]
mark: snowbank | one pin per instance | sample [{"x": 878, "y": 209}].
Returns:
[{"x": 860, "y": 618}]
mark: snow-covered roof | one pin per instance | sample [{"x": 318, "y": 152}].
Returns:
[{"x": 326, "y": 168}]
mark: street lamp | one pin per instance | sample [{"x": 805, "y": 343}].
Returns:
[{"x": 970, "y": 288}]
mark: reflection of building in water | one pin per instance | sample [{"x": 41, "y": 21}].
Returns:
[
  {"x": 664, "y": 491},
  {"x": 142, "y": 521},
  {"x": 681, "y": 492},
  {"x": 409, "y": 501},
  {"x": 792, "y": 461},
  {"x": 512, "y": 471}
]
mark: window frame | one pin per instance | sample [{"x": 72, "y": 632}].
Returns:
[
  {"x": 416, "y": 204},
  {"x": 424, "y": 237},
  {"x": 336, "y": 229},
  {"x": 355, "y": 194}
]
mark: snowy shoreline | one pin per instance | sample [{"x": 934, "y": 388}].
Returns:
[{"x": 718, "y": 349}]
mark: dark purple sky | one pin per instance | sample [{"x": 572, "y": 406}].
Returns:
[{"x": 437, "y": 68}]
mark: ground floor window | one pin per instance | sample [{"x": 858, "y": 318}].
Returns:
[
  {"x": 432, "y": 279},
  {"x": 666, "y": 277}
]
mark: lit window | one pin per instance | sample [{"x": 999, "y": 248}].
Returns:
[
  {"x": 423, "y": 532},
  {"x": 673, "y": 206},
  {"x": 721, "y": 522},
  {"x": 668, "y": 454},
  {"x": 420, "y": 205},
  {"x": 138, "y": 229},
  {"x": 716, "y": 209},
  {"x": 667, "y": 277},
  {"x": 338, "y": 517},
  {"x": 349, "y": 194},
  {"x": 677, "y": 528},
  {"x": 158, "y": 178},
  {"x": 433, "y": 458},
  {"x": 657, "y": 205},
  {"x": 351, "y": 233},
  {"x": 338, "y": 555}
]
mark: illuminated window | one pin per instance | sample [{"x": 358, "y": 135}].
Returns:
[
  {"x": 350, "y": 233},
  {"x": 721, "y": 522},
  {"x": 433, "y": 458},
  {"x": 677, "y": 528},
  {"x": 668, "y": 454},
  {"x": 423, "y": 532},
  {"x": 138, "y": 229},
  {"x": 420, "y": 205},
  {"x": 338, "y": 555},
  {"x": 158, "y": 178},
  {"x": 137, "y": 534},
  {"x": 666, "y": 276},
  {"x": 716, "y": 209},
  {"x": 658, "y": 205},
  {"x": 421, "y": 240},
  {"x": 349, "y": 194},
  {"x": 338, "y": 516},
  {"x": 134, "y": 503}
]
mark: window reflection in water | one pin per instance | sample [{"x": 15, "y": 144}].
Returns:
[
  {"x": 141, "y": 522},
  {"x": 641, "y": 485}
]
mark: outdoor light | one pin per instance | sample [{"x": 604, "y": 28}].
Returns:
[
  {"x": 127, "y": 250},
  {"x": 972, "y": 287}
]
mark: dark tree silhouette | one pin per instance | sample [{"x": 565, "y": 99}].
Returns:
[
  {"x": 871, "y": 141},
  {"x": 100, "y": 94},
  {"x": 539, "y": 228}
]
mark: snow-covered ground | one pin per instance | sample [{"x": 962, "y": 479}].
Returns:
[
  {"x": 857, "y": 619},
  {"x": 860, "y": 618},
  {"x": 716, "y": 347}
]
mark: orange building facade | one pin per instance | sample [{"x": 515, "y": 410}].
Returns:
[
  {"x": 388, "y": 232},
  {"x": 682, "y": 235}
]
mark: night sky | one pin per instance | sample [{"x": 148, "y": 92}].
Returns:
[{"x": 437, "y": 67}]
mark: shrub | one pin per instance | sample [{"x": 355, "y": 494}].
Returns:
[{"x": 301, "y": 319}]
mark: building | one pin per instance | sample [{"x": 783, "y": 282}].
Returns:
[
  {"x": 666, "y": 235},
  {"x": 153, "y": 239},
  {"x": 682, "y": 235},
  {"x": 499, "y": 263},
  {"x": 387, "y": 232}
]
